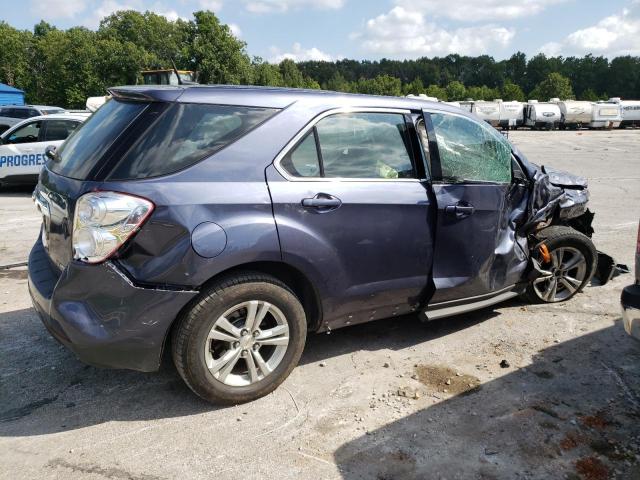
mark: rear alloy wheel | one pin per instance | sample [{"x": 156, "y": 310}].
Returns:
[
  {"x": 241, "y": 339},
  {"x": 567, "y": 261},
  {"x": 246, "y": 343}
]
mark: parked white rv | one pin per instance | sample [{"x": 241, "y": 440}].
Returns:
[
  {"x": 630, "y": 112},
  {"x": 487, "y": 111},
  {"x": 606, "y": 115},
  {"x": 511, "y": 114},
  {"x": 541, "y": 115},
  {"x": 575, "y": 114},
  {"x": 466, "y": 105}
]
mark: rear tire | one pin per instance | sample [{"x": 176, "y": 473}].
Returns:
[
  {"x": 573, "y": 263},
  {"x": 241, "y": 339}
]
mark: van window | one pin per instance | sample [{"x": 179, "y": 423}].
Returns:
[
  {"x": 471, "y": 151},
  {"x": 183, "y": 134}
]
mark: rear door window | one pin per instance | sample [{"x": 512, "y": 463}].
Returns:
[
  {"x": 303, "y": 160},
  {"x": 183, "y": 134},
  {"x": 365, "y": 145},
  {"x": 58, "y": 129}
]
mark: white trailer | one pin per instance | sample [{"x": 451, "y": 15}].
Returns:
[
  {"x": 511, "y": 114},
  {"x": 630, "y": 112},
  {"x": 575, "y": 114},
  {"x": 542, "y": 115},
  {"x": 466, "y": 105},
  {"x": 487, "y": 111},
  {"x": 606, "y": 115}
]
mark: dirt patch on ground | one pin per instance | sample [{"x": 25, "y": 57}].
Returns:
[
  {"x": 445, "y": 379},
  {"x": 590, "y": 468},
  {"x": 597, "y": 421}
]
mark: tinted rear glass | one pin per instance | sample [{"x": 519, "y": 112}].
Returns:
[
  {"x": 183, "y": 134},
  {"x": 88, "y": 144}
]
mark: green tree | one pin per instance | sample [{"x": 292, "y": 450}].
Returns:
[
  {"x": 311, "y": 83},
  {"x": 416, "y": 87},
  {"x": 380, "y": 85},
  {"x": 456, "y": 91},
  {"x": 511, "y": 91},
  {"x": 14, "y": 54},
  {"x": 436, "y": 91},
  {"x": 214, "y": 52},
  {"x": 266, "y": 74},
  {"x": 589, "y": 95},
  {"x": 338, "y": 83},
  {"x": 554, "y": 86},
  {"x": 291, "y": 76}
]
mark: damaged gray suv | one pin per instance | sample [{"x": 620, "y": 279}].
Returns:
[{"x": 220, "y": 225}]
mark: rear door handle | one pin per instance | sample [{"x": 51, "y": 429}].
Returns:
[
  {"x": 460, "y": 211},
  {"x": 322, "y": 202}
]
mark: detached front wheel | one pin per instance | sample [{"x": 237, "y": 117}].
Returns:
[
  {"x": 567, "y": 259},
  {"x": 241, "y": 340}
]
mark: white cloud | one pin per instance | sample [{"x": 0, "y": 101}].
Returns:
[
  {"x": 267, "y": 6},
  {"x": 614, "y": 35},
  {"x": 299, "y": 54},
  {"x": 107, "y": 7},
  {"x": 235, "y": 29},
  {"x": 57, "y": 8},
  {"x": 478, "y": 10},
  {"x": 401, "y": 32},
  {"x": 213, "y": 5}
]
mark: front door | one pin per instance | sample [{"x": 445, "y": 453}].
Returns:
[
  {"x": 352, "y": 209},
  {"x": 477, "y": 252}
]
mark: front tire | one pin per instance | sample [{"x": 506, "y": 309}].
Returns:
[
  {"x": 573, "y": 261},
  {"x": 241, "y": 339}
]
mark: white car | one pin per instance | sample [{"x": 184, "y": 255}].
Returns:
[{"x": 22, "y": 146}]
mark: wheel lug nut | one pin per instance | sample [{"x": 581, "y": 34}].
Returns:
[
  {"x": 256, "y": 334},
  {"x": 236, "y": 344},
  {"x": 244, "y": 332},
  {"x": 244, "y": 353},
  {"x": 256, "y": 347}
]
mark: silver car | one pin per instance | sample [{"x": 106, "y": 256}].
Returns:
[{"x": 12, "y": 114}]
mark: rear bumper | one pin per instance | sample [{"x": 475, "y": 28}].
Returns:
[
  {"x": 630, "y": 301},
  {"x": 99, "y": 314}
]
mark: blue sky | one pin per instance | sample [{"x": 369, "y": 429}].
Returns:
[{"x": 360, "y": 29}]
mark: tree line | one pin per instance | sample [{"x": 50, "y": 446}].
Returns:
[{"x": 64, "y": 67}]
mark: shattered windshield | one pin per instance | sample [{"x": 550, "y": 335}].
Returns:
[{"x": 471, "y": 151}]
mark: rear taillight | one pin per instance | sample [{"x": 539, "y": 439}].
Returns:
[{"x": 103, "y": 221}]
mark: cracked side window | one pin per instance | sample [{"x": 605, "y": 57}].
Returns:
[{"x": 470, "y": 151}]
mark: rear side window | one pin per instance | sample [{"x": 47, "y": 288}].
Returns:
[
  {"x": 353, "y": 145},
  {"x": 185, "y": 133},
  {"x": 58, "y": 129},
  {"x": 83, "y": 150},
  {"x": 471, "y": 151}
]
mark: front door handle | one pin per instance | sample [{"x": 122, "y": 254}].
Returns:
[
  {"x": 460, "y": 210},
  {"x": 322, "y": 202}
]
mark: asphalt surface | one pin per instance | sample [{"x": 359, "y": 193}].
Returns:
[{"x": 393, "y": 399}]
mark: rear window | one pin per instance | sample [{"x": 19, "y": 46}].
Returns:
[
  {"x": 183, "y": 134},
  {"x": 87, "y": 145}
]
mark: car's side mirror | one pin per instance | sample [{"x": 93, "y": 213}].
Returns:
[{"x": 50, "y": 152}]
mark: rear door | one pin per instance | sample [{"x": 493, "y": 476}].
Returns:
[
  {"x": 476, "y": 249},
  {"x": 352, "y": 209}
]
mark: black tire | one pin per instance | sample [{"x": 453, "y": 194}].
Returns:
[
  {"x": 556, "y": 237},
  {"x": 189, "y": 337}
]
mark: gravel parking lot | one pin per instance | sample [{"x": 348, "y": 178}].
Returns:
[{"x": 394, "y": 399}]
